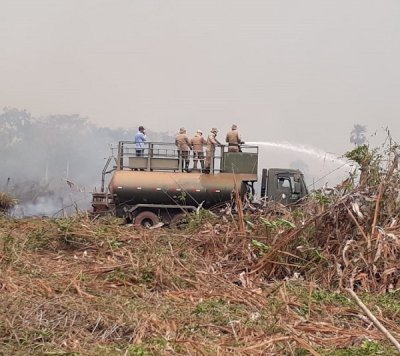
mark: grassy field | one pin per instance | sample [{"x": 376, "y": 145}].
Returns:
[{"x": 78, "y": 286}]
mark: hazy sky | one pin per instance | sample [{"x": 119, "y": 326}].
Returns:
[{"x": 299, "y": 71}]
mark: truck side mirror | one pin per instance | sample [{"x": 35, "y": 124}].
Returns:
[{"x": 297, "y": 187}]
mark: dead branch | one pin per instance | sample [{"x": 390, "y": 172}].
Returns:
[{"x": 374, "y": 319}]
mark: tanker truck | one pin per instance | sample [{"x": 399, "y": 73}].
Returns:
[{"x": 153, "y": 188}]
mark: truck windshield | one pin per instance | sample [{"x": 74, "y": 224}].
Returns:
[{"x": 284, "y": 183}]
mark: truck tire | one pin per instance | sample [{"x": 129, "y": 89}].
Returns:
[{"x": 146, "y": 219}]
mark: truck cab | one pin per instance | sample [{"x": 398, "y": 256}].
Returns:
[{"x": 283, "y": 185}]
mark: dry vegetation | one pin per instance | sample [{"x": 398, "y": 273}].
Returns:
[
  {"x": 268, "y": 282},
  {"x": 6, "y": 202}
]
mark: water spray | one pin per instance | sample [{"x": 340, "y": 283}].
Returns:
[{"x": 302, "y": 149}]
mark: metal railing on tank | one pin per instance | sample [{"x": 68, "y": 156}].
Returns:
[
  {"x": 244, "y": 160},
  {"x": 161, "y": 156}
]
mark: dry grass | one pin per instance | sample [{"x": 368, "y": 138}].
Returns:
[
  {"x": 6, "y": 202},
  {"x": 77, "y": 286},
  {"x": 265, "y": 282}
]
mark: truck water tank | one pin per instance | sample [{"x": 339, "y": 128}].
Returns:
[{"x": 136, "y": 187}]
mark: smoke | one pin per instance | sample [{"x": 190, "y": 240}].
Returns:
[
  {"x": 42, "y": 206},
  {"x": 51, "y": 164}
]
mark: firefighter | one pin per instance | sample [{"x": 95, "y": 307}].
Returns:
[
  {"x": 184, "y": 147},
  {"x": 210, "y": 151},
  {"x": 197, "y": 142},
  {"x": 234, "y": 140}
]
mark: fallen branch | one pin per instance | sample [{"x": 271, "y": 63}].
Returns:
[
  {"x": 374, "y": 320},
  {"x": 81, "y": 292}
]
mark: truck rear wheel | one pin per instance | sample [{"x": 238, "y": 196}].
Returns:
[{"x": 146, "y": 219}]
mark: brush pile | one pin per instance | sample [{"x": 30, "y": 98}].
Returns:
[
  {"x": 6, "y": 202},
  {"x": 266, "y": 282},
  {"x": 342, "y": 237}
]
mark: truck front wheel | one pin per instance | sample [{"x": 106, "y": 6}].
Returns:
[{"x": 146, "y": 219}]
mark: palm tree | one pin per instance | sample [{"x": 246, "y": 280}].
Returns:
[{"x": 357, "y": 135}]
